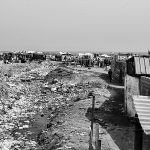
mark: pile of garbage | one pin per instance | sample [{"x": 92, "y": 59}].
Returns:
[
  {"x": 33, "y": 99},
  {"x": 27, "y": 113},
  {"x": 20, "y": 102}
]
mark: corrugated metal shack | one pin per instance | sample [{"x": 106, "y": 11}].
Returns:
[
  {"x": 142, "y": 124},
  {"x": 137, "y": 82},
  {"x": 138, "y": 65},
  {"x": 22, "y": 57},
  {"x": 86, "y": 59}
]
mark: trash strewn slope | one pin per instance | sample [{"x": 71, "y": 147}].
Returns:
[{"x": 33, "y": 97}]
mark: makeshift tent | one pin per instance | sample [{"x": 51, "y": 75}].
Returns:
[{"x": 105, "y": 55}]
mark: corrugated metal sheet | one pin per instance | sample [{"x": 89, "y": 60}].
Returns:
[
  {"x": 137, "y": 65},
  {"x": 147, "y": 63},
  {"x": 142, "y": 65},
  {"x": 142, "y": 107}
]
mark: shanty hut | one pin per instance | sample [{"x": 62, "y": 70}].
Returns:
[
  {"x": 105, "y": 56},
  {"x": 137, "y": 99},
  {"x": 1, "y": 56},
  {"x": 21, "y": 57},
  {"x": 86, "y": 59},
  {"x": 36, "y": 56},
  {"x": 58, "y": 57},
  {"x": 137, "y": 80},
  {"x": 7, "y": 57},
  {"x": 142, "y": 122},
  {"x": 137, "y": 66},
  {"x": 65, "y": 56}
]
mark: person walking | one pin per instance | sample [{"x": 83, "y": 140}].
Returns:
[{"x": 110, "y": 75}]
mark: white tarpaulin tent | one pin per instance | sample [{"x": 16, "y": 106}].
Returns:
[
  {"x": 105, "y": 55},
  {"x": 31, "y": 52},
  {"x": 64, "y": 53}
]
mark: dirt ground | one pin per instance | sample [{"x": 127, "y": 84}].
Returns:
[
  {"x": 38, "y": 113},
  {"x": 109, "y": 113},
  {"x": 76, "y": 125}
]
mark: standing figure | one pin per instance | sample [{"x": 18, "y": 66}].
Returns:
[{"x": 110, "y": 75}]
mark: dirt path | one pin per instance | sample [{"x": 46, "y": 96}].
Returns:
[
  {"x": 112, "y": 117},
  {"x": 76, "y": 126},
  {"x": 114, "y": 126},
  {"x": 76, "y": 119}
]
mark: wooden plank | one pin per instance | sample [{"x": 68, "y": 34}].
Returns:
[
  {"x": 142, "y": 64},
  {"x": 97, "y": 140},
  {"x": 147, "y": 65},
  {"x": 137, "y": 65}
]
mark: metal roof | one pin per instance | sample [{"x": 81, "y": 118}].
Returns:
[
  {"x": 142, "y": 107},
  {"x": 142, "y": 65}
]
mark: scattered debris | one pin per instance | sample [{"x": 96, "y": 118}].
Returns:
[{"x": 33, "y": 97}]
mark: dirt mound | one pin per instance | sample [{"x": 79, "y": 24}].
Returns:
[{"x": 58, "y": 73}]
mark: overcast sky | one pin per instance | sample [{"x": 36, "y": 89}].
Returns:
[{"x": 111, "y": 25}]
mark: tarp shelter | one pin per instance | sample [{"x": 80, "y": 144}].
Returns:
[
  {"x": 105, "y": 55},
  {"x": 89, "y": 54},
  {"x": 31, "y": 52},
  {"x": 81, "y": 54},
  {"x": 64, "y": 53},
  {"x": 86, "y": 54},
  {"x": 85, "y": 59}
]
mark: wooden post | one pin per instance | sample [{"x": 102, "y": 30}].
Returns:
[
  {"x": 92, "y": 120},
  {"x": 98, "y": 146},
  {"x": 97, "y": 140},
  {"x": 97, "y": 131},
  {"x": 90, "y": 142},
  {"x": 125, "y": 94},
  {"x": 138, "y": 139}
]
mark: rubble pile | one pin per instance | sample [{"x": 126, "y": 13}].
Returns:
[
  {"x": 20, "y": 102},
  {"x": 59, "y": 73},
  {"x": 32, "y": 101},
  {"x": 26, "y": 111}
]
